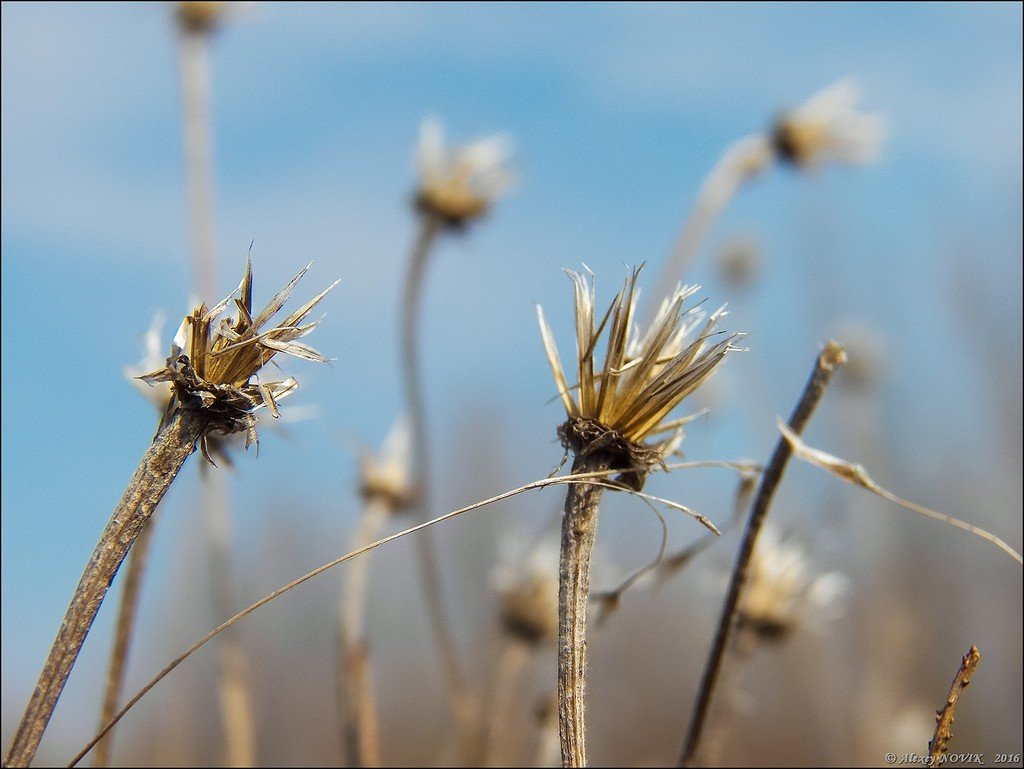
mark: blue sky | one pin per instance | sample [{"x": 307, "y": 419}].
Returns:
[{"x": 617, "y": 112}]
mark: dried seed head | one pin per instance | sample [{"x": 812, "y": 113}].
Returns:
[
  {"x": 386, "y": 476},
  {"x": 782, "y": 591},
  {"x": 200, "y": 17},
  {"x": 457, "y": 186},
  {"x": 613, "y": 409},
  {"x": 829, "y": 128},
  {"x": 527, "y": 589},
  {"x": 214, "y": 365}
]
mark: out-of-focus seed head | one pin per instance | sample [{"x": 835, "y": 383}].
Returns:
[
  {"x": 527, "y": 587},
  {"x": 214, "y": 364},
  {"x": 615, "y": 407},
  {"x": 459, "y": 185},
  {"x": 386, "y": 476},
  {"x": 829, "y": 128},
  {"x": 783, "y": 592},
  {"x": 200, "y": 17}
]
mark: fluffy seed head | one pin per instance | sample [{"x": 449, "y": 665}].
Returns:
[
  {"x": 783, "y": 592},
  {"x": 829, "y": 128},
  {"x": 214, "y": 365},
  {"x": 386, "y": 476},
  {"x": 527, "y": 585},
  {"x": 617, "y": 406},
  {"x": 459, "y": 185}
]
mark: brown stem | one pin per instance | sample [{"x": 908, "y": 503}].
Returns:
[
  {"x": 944, "y": 719},
  {"x": 147, "y": 487},
  {"x": 579, "y": 525},
  {"x": 828, "y": 360},
  {"x": 426, "y": 552},
  {"x": 126, "y": 616},
  {"x": 356, "y": 701}
]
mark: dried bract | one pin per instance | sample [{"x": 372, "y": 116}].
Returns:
[
  {"x": 457, "y": 186},
  {"x": 615, "y": 408},
  {"x": 829, "y": 128},
  {"x": 214, "y": 364}
]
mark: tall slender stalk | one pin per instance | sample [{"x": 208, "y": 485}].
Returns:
[
  {"x": 356, "y": 701},
  {"x": 194, "y": 61},
  {"x": 828, "y": 360},
  {"x": 126, "y": 615},
  {"x": 579, "y": 526},
  {"x": 235, "y": 704},
  {"x": 498, "y": 710},
  {"x": 158, "y": 468},
  {"x": 426, "y": 551}
]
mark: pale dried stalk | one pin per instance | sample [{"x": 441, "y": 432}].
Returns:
[
  {"x": 426, "y": 552},
  {"x": 740, "y": 162},
  {"x": 158, "y": 468},
  {"x": 356, "y": 700},
  {"x": 579, "y": 526},
  {"x": 236, "y": 711},
  {"x": 828, "y": 361},
  {"x": 944, "y": 717},
  {"x": 126, "y": 615},
  {"x": 194, "y": 61},
  {"x": 507, "y": 672}
]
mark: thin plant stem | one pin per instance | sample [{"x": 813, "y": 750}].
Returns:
[
  {"x": 827, "y": 362},
  {"x": 356, "y": 700},
  {"x": 232, "y": 682},
  {"x": 158, "y": 468},
  {"x": 235, "y": 702},
  {"x": 498, "y": 713},
  {"x": 538, "y": 484},
  {"x": 426, "y": 551},
  {"x": 740, "y": 162},
  {"x": 579, "y": 526},
  {"x": 194, "y": 61},
  {"x": 944, "y": 719},
  {"x": 126, "y": 616}
]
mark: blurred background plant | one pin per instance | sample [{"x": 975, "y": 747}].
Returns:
[{"x": 619, "y": 113}]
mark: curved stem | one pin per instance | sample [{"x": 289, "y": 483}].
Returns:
[
  {"x": 356, "y": 701},
  {"x": 741, "y": 161},
  {"x": 828, "y": 360},
  {"x": 426, "y": 552},
  {"x": 579, "y": 526},
  {"x": 126, "y": 615},
  {"x": 158, "y": 468}
]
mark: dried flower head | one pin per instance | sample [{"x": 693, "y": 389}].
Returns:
[
  {"x": 829, "y": 128},
  {"x": 459, "y": 185},
  {"x": 782, "y": 591},
  {"x": 527, "y": 587},
  {"x": 645, "y": 376},
  {"x": 214, "y": 365},
  {"x": 386, "y": 476},
  {"x": 199, "y": 17}
]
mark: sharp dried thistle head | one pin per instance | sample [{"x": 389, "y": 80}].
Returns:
[
  {"x": 457, "y": 186},
  {"x": 215, "y": 361},
  {"x": 616, "y": 407}
]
